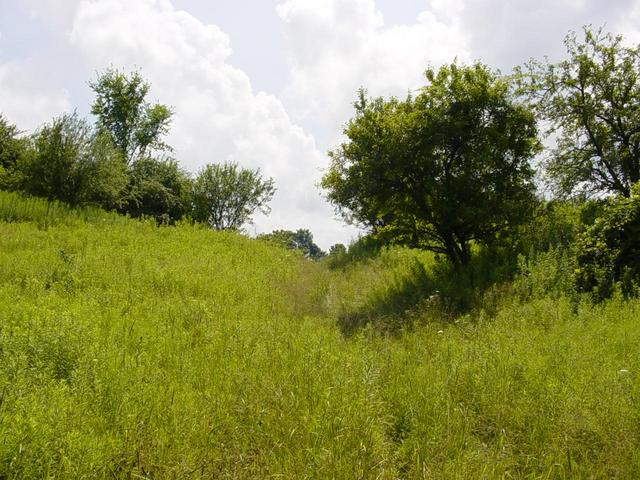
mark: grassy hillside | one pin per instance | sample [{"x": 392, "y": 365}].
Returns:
[{"x": 131, "y": 351}]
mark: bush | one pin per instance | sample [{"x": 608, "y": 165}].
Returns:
[
  {"x": 609, "y": 251},
  {"x": 158, "y": 189},
  {"x": 69, "y": 162},
  {"x": 11, "y": 149}
]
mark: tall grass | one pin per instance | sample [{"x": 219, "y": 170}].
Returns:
[
  {"x": 15, "y": 207},
  {"x": 129, "y": 350}
]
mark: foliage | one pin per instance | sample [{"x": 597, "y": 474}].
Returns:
[
  {"x": 337, "y": 249},
  {"x": 225, "y": 196},
  {"x": 69, "y": 162},
  {"x": 301, "y": 240},
  {"x": 439, "y": 171},
  {"x": 157, "y": 188},
  {"x": 609, "y": 251},
  {"x": 590, "y": 100},
  {"x": 555, "y": 224},
  {"x": 337, "y": 255},
  {"x": 136, "y": 126},
  {"x": 11, "y": 149}
]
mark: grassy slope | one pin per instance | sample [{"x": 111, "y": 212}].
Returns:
[{"x": 128, "y": 351}]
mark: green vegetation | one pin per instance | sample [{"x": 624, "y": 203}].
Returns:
[
  {"x": 440, "y": 171},
  {"x": 590, "y": 100},
  {"x": 225, "y": 196},
  {"x": 504, "y": 344},
  {"x": 135, "y": 126},
  {"x": 123, "y": 164},
  {"x": 130, "y": 350},
  {"x": 301, "y": 240},
  {"x": 608, "y": 252}
]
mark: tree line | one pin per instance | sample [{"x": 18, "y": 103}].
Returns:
[
  {"x": 123, "y": 163},
  {"x": 445, "y": 169}
]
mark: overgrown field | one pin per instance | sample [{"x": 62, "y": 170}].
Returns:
[{"x": 132, "y": 351}]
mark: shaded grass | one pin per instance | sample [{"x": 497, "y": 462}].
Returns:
[{"x": 400, "y": 286}]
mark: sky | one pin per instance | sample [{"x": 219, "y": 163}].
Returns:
[{"x": 270, "y": 83}]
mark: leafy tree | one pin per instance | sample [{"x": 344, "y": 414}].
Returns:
[
  {"x": 68, "y": 161},
  {"x": 157, "y": 188},
  {"x": 11, "y": 149},
  {"x": 590, "y": 100},
  {"x": 301, "y": 239},
  {"x": 439, "y": 171},
  {"x": 136, "y": 126},
  {"x": 225, "y": 196},
  {"x": 609, "y": 251},
  {"x": 337, "y": 250}
]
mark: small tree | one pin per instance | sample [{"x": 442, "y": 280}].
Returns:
[
  {"x": 136, "y": 126},
  {"x": 301, "y": 240},
  {"x": 225, "y": 196},
  {"x": 337, "y": 250},
  {"x": 439, "y": 171},
  {"x": 591, "y": 102},
  {"x": 12, "y": 147}
]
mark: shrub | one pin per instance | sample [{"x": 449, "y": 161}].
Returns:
[
  {"x": 69, "y": 162},
  {"x": 609, "y": 251},
  {"x": 158, "y": 189}
]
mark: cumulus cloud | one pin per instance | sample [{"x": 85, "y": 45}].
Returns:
[
  {"x": 508, "y": 33},
  {"x": 629, "y": 24},
  {"x": 338, "y": 46},
  {"x": 218, "y": 115},
  {"x": 59, "y": 13},
  {"x": 26, "y": 98}
]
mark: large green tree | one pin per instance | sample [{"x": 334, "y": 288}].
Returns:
[
  {"x": 591, "y": 102},
  {"x": 441, "y": 170},
  {"x": 136, "y": 126},
  {"x": 225, "y": 196}
]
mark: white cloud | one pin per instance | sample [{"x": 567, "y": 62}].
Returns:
[
  {"x": 26, "y": 98},
  {"x": 218, "y": 115},
  {"x": 508, "y": 33},
  {"x": 57, "y": 12},
  {"x": 630, "y": 24},
  {"x": 337, "y": 46}
]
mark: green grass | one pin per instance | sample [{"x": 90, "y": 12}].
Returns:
[{"x": 132, "y": 351}]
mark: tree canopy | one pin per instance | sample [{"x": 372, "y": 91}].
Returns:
[
  {"x": 591, "y": 101},
  {"x": 226, "y": 196},
  {"x": 136, "y": 126},
  {"x": 440, "y": 170}
]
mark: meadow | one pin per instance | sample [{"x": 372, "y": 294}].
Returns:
[{"x": 129, "y": 350}]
